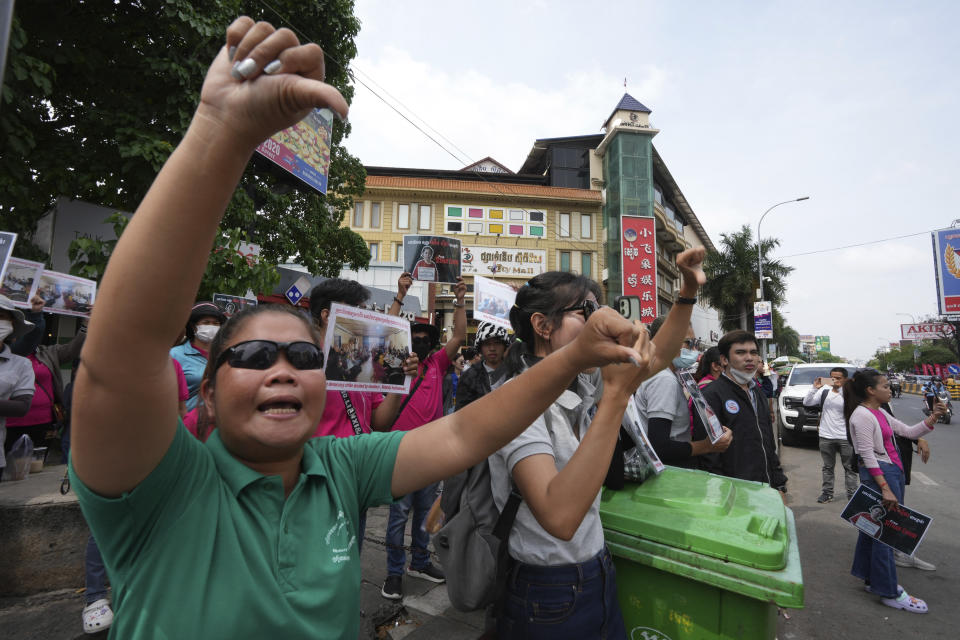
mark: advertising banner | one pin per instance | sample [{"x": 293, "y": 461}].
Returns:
[
  {"x": 901, "y": 527},
  {"x": 492, "y": 301},
  {"x": 926, "y": 331},
  {"x": 431, "y": 258},
  {"x": 364, "y": 350},
  {"x": 21, "y": 280},
  {"x": 303, "y": 149},
  {"x": 763, "y": 320},
  {"x": 502, "y": 263},
  {"x": 822, "y": 343},
  {"x": 946, "y": 260},
  {"x": 638, "y": 256}
]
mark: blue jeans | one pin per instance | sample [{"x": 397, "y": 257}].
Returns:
[
  {"x": 420, "y": 501},
  {"x": 96, "y": 573},
  {"x": 872, "y": 560},
  {"x": 564, "y": 601}
]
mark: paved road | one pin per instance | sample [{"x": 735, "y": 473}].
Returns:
[{"x": 836, "y": 605}]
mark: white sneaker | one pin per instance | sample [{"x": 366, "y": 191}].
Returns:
[
  {"x": 903, "y": 560},
  {"x": 97, "y": 616}
]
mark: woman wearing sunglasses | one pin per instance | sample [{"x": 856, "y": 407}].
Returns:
[
  {"x": 562, "y": 583},
  {"x": 252, "y": 533}
]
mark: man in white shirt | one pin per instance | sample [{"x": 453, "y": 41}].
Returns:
[{"x": 827, "y": 393}]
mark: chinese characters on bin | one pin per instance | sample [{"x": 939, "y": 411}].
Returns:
[{"x": 639, "y": 257}]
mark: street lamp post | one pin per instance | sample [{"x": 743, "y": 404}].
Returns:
[{"x": 760, "y": 259}]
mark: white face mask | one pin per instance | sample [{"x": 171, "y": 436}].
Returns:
[
  {"x": 6, "y": 328},
  {"x": 206, "y": 332},
  {"x": 741, "y": 377}
]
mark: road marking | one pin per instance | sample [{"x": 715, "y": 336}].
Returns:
[{"x": 922, "y": 477}]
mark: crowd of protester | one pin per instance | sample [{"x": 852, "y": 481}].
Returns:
[{"x": 222, "y": 470}]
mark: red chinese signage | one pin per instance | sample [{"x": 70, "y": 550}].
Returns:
[{"x": 638, "y": 256}]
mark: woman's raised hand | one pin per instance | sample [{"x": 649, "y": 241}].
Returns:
[
  {"x": 690, "y": 263},
  {"x": 264, "y": 81},
  {"x": 607, "y": 338}
]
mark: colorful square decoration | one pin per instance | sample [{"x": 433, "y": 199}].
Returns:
[
  {"x": 496, "y": 214},
  {"x": 454, "y": 212},
  {"x": 516, "y": 214},
  {"x": 516, "y": 229},
  {"x": 496, "y": 228},
  {"x": 474, "y": 212}
]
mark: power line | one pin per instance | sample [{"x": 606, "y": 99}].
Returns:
[{"x": 850, "y": 246}]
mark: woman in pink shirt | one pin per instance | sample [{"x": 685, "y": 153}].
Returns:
[{"x": 870, "y": 430}]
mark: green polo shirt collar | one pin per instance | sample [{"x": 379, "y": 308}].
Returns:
[{"x": 238, "y": 475}]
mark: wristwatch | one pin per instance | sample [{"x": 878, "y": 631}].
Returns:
[{"x": 682, "y": 300}]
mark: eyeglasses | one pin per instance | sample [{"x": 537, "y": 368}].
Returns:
[
  {"x": 587, "y": 306},
  {"x": 262, "y": 354}
]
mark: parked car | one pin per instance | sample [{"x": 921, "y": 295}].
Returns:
[{"x": 795, "y": 421}]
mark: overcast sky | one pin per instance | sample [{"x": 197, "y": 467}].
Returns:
[{"x": 848, "y": 103}]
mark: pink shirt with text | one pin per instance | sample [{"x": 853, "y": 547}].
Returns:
[
  {"x": 888, "y": 442},
  {"x": 336, "y": 422}
]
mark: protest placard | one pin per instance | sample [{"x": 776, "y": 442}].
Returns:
[
  {"x": 709, "y": 419},
  {"x": 232, "y": 304},
  {"x": 642, "y": 461},
  {"x": 7, "y": 240},
  {"x": 901, "y": 527},
  {"x": 364, "y": 350},
  {"x": 66, "y": 295},
  {"x": 492, "y": 301},
  {"x": 432, "y": 258},
  {"x": 304, "y": 148},
  {"x": 20, "y": 281}
]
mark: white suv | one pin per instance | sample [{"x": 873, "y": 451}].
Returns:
[{"x": 792, "y": 421}]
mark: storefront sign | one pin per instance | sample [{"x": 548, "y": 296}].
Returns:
[
  {"x": 638, "y": 255},
  {"x": 502, "y": 263},
  {"x": 926, "y": 331}
]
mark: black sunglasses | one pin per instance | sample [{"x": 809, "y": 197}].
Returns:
[
  {"x": 587, "y": 306},
  {"x": 261, "y": 354}
]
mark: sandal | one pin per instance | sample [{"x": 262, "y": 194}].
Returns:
[
  {"x": 97, "y": 616},
  {"x": 906, "y": 602}
]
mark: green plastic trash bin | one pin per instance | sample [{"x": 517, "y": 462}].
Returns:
[{"x": 701, "y": 556}]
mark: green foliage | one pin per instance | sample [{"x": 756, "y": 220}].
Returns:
[
  {"x": 826, "y": 356},
  {"x": 786, "y": 337},
  {"x": 98, "y": 94},
  {"x": 732, "y": 278},
  {"x": 89, "y": 256},
  {"x": 901, "y": 359}
]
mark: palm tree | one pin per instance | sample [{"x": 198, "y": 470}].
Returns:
[
  {"x": 786, "y": 337},
  {"x": 732, "y": 278}
]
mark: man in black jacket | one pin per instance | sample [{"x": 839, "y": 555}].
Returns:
[
  {"x": 740, "y": 404},
  {"x": 477, "y": 381}
]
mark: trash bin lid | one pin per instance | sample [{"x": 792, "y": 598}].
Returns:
[{"x": 738, "y": 521}]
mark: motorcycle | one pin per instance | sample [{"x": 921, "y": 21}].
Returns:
[
  {"x": 895, "y": 388},
  {"x": 944, "y": 397}
]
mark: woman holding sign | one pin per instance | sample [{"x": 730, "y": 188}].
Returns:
[
  {"x": 258, "y": 523},
  {"x": 871, "y": 431}
]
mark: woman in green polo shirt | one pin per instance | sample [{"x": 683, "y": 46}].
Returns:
[{"x": 252, "y": 533}]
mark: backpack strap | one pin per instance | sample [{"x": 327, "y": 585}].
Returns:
[
  {"x": 351, "y": 413},
  {"x": 501, "y": 530},
  {"x": 407, "y": 399}
]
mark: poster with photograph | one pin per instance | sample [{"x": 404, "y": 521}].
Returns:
[
  {"x": 232, "y": 304},
  {"x": 901, "y": 527},
  {"x": 642, "y": 461},
  {"x": 304, "y": 148},
  {"x": 20, "y": 281},
  {"x": 432, "y": 258},
  {"x": 66, "y": 295},
  {"x": 492, "y": 301},
  {"x": 709, "y": 419},
  {"x": 364, "y": 350},
  {"x": 7, "y": 240}
]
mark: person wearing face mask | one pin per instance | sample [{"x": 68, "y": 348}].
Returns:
[
  {"x": 665, "y": 411},
  {"x": 740, "y": 404},
  {"x": 16, "y": 372},
  {"x": 203, "y": 324},
  {"x": 491, "y": 343},
  {"x": 423, "y": 404}
]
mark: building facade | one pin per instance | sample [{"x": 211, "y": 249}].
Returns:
[{"x": 561, "y": 211}]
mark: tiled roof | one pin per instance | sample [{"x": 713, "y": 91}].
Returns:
[
  {"x": 434, "y": 184},
  {"x": 629, "y": 103}
]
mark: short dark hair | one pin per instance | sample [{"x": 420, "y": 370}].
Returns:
[
  {"x": 842, "y": 371},
  {"x": 731, "y": 338},
  {"x": 654, "y": 326},
  {"x": 339, "y": 290}
]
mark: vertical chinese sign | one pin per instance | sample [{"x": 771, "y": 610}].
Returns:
[{"x": 638, "y": 254}]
